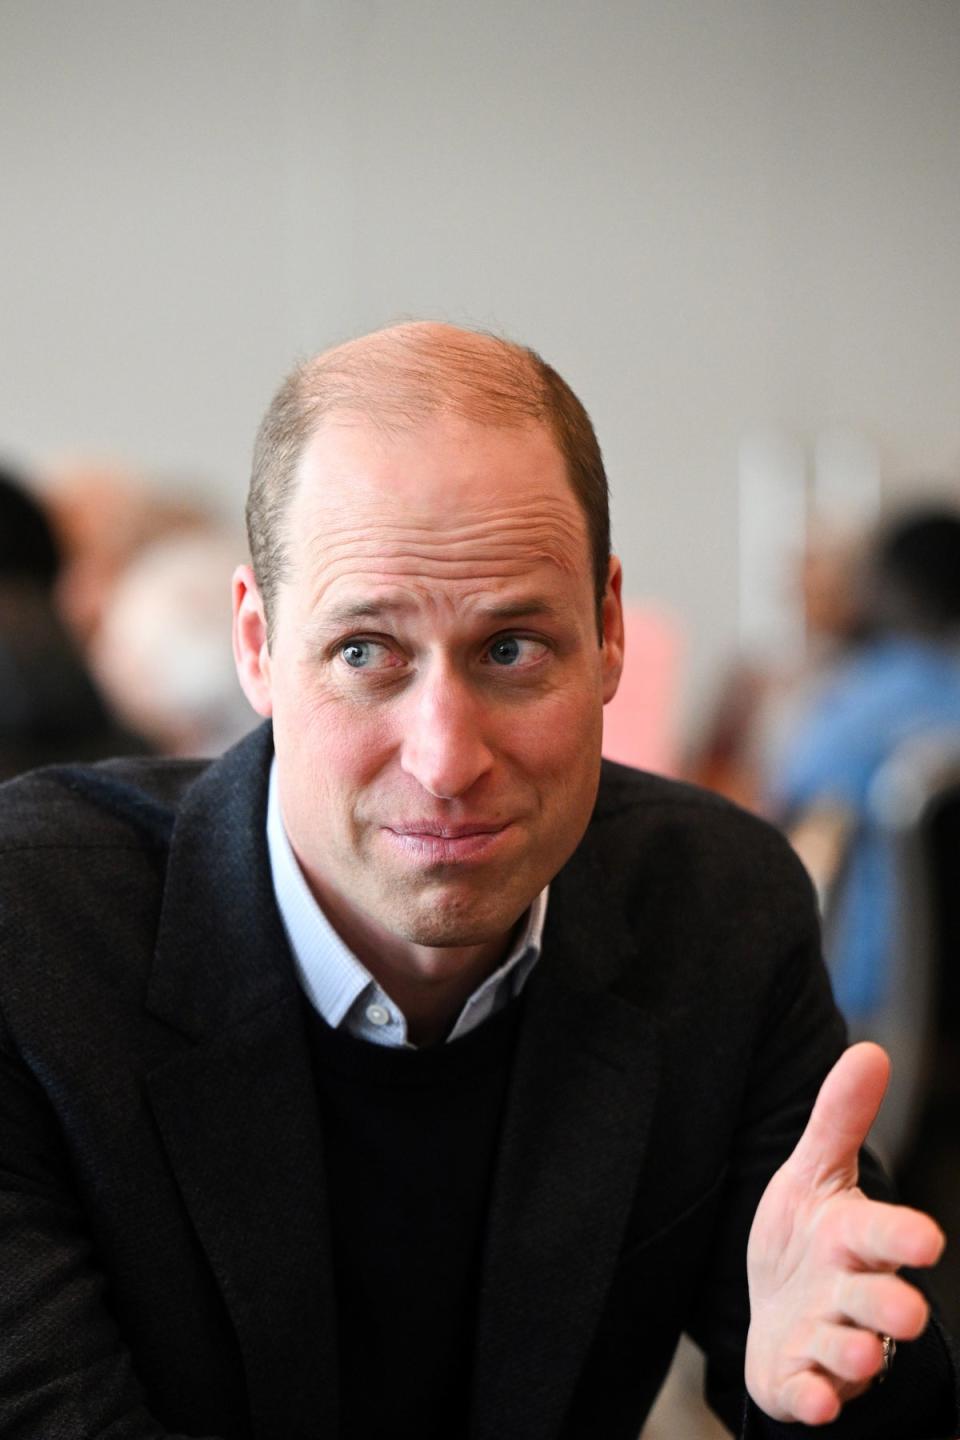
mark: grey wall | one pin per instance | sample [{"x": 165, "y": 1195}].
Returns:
[{"x": 708, "y": 214}]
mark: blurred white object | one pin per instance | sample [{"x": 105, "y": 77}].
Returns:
[
  {"x": 163, "y": 653},
  {"x": 847, "y": 489}
]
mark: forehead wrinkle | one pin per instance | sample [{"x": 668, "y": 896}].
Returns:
[
  {"x": 469, "y": 584},
  {"x": 409, "y": 548},
  {"x": 473, "y": 572}
]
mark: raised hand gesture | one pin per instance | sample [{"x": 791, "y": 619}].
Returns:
[{"x": 822, "y": 1260}]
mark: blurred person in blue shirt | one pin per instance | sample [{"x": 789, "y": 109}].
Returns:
[{"x": 900, "y": 682}]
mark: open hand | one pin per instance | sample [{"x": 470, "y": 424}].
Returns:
[{"x": 822, "y": 1258}]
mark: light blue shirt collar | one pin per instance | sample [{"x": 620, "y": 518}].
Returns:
[{"x": 340, "y": 988}]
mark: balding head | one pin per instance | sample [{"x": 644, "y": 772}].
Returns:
[{"x": 397, "y": 378}]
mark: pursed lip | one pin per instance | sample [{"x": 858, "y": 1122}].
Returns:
[
  {"x": 442, "y": 842},
  {"x": 447, "y": 830}
]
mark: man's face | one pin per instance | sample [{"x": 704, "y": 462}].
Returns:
[{"x": 435, "y": 676}]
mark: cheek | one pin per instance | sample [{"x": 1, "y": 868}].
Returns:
[
  {"x": 561, "y": 739},
  {"x": 576, "y": 720},
  {"x": 340, "y": 744}
]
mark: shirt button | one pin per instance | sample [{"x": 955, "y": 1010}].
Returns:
[{"x": 377, "y": 1015}]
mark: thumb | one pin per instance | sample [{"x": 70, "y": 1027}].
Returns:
[{"x": 845, "y": 1108}]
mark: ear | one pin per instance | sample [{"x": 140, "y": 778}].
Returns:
[
  {"x": 251, "y": 651},
  {"x": 611, "y": 655}
]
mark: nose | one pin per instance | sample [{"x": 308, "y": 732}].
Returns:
[{"x": 443, "y": 745}]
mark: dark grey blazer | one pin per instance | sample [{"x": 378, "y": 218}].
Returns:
[{"x": 164, "y": 1265}]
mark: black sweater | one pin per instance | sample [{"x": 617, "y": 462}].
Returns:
[{"x": 410, "y": 1140}]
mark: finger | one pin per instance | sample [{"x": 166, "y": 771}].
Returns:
[
  {"x": 809, "y": 1398},
  {"x": 848, "y": 1353},
  {"x": 885, "y": 1236},
  {"x": 846, "y": 1107},
  {"x": 883, "y": 1303}
]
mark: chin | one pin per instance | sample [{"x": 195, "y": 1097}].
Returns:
[{"x": 455, "y": 926}]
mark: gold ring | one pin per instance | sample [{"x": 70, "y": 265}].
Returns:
[{"x": 889, "y": 1350}]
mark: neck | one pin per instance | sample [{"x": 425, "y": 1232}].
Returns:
[
  {"x": 429, "y": 984},
  {"x": 433, "y": 990}
]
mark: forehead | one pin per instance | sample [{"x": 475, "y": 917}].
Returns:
[{"x": 447, "y": 500}]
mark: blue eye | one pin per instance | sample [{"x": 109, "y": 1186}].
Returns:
[
  {"x": 505, "y": 651},
  {"x": 356, "y": 654},
  {"x": 359, "y": 654},
  {"x": 515, "y": 652}
]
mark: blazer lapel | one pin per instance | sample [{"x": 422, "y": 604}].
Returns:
[
  {"x": 235, "y": 1105},
  {"x": 578, "y": 1114}
]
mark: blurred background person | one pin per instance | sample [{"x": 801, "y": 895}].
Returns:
[
  {"x": 145, "y": 589},
  {"x": 899, "y": 681},
  {"x": 104, "y": 514},
  {"x": 757, "y": 703},
  {"x": 162, "y": 646},
  {"x": 50, "y": 707}
]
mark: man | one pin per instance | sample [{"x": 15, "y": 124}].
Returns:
[{"x": 387, "y": 1078}]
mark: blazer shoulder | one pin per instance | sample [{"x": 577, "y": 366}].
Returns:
[
  {"x": 694, "y": 832},
  {"x": 124, "y": 804},
  {"x": 622, "y": 785},
  {"x": 625, "y": 791}
]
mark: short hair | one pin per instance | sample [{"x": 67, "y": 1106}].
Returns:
[
  {"x": 398, "y": 377},
  {"x": 28, "y": 546},
  {"x": 913, "y": 575}
]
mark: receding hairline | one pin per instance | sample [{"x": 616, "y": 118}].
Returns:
[
  {"x": 401, "y": 374},
  {"x": 405, "y": 375}
]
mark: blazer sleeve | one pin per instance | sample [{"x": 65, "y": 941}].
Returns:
[
  {"x": 800, "y": 1036},
  {"x": 64, "y": 1371}
]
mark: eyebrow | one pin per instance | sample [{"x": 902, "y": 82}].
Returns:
[
  {"x": 515, "y": 610},
  {"x": 355, "y": 610}
]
